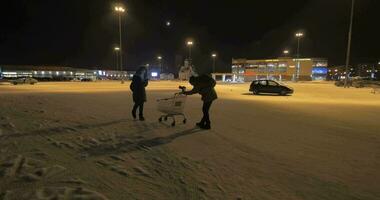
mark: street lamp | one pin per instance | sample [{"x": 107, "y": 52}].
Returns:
[
  {"x": 117, "y": 51},
  {"x": 120, "y": 10},
  {"x": 286, "y": 52},
  {"x": 349, "y": 43},
  {"x": 299, "y": 35},
  {"x": 190, "y": 44},
  {"x": 213, "y": 56},
  {"x": 159, "y": 58}
]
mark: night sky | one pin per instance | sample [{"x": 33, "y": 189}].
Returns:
[{"x": 83, "y": 33}]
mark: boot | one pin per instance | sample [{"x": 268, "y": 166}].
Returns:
[
  {"x": 141, "y": 118},
  {"x": 199, "y": 124},
  {"x": 206, "y": 126}
]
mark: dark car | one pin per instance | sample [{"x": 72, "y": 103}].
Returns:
[
  {"x": 269, "y": 86},
  {"x": 28, "y": 80}
]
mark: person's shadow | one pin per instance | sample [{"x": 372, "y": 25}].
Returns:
[{"x": 128, "y": 146}]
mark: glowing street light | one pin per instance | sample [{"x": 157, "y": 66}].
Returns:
[
  {"x": 159, "y": 58},
  {"x": 120, "y": 10},
  {"x": 299, "y": 35},
  {"x": 213, "y": 56},
  {"x": 168, "y": 23},
  {"x": 190, "y": 44},
  {"x": 286, "y": 52}
]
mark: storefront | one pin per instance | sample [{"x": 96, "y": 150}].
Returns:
[{"x": 282, "y": 69}]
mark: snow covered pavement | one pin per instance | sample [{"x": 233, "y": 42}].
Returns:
[{"x": 68, "y": 140}]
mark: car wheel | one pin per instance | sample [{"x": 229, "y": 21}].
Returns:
[
  {"x": 283, "y": 93},
  {"x": 14, "y": 83},
  {"x": 255, "y": 92}
]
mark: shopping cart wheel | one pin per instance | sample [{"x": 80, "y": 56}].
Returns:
[
  {"x": 160, "y": 119},
  {"x": 173, "y": 124},
  {"x": 184, "y": 121}
]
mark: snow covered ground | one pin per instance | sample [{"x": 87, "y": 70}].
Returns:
[{"x": 78, "y": 141}]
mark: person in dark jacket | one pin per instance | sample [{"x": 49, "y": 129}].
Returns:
[
  {"x": 139, "y": 82},
  {"x": 204, "y": 85}
]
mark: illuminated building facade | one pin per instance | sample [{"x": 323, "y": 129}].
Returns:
[
  {"x": 58, "y": 73},
  {"x": 282, "y": 69},
  {"x": 363, "y": 70}
]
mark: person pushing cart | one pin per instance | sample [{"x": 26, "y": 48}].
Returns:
[{"x": 205, "y": 86}]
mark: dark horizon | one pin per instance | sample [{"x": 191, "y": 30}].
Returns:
[{"x": 83, "y": 34}]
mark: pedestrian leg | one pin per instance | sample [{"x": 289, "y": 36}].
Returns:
[
  {"x": 206, "y": 116},
  {"x": 134, "y": 110},
  {"x": 141, "y": 111}
]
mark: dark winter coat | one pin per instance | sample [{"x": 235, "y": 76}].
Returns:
[
  {"x": 204, "y": 85},
  {"x": 138, "y": 89}
]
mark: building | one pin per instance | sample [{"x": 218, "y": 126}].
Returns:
[
  {"x": 364, "y": 70},
  {"x": 282, "y": 69},
  {"x": 58, "y": 73},
  {"x": 368, "y": 70}
]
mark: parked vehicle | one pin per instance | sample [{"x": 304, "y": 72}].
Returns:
[
  {"x": 30, "y": 81},
  {"x": 86, "y": 80},
  {"x": 269, "y": 86}
]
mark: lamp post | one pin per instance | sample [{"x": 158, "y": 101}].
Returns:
[
  {"x": 213, "y": 56},
  {"x": 117, "y": 50},
  {"x": 299, "y": 35},
  {"x": 120, "y": 10},
  {"x": 159, "y": 58},
  {"x": 349, "y": 44},
  {"x": 190, "y": 44}
]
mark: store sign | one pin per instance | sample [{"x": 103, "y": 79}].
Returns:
[{"x": 320, "y": 70}]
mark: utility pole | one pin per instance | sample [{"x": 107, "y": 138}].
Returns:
[{"x": 349, "y": 44}]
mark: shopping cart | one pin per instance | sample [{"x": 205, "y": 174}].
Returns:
[{"x": 172, "y": 107}]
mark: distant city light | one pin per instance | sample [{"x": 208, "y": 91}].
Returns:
[
  {"x": 168, "y": 23},
  {"x": 286, "y": 51},
  {"x": 159, "y": 57},
  {"x": 117, "y": 48},
  {"x": 154, "y": 74},
  {"x": 213, "y": 55}
]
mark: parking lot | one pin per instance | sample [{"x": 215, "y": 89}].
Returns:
[{"x": 322, "y": 142}]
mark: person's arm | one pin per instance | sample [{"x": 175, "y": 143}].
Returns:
[{"x": 195, "y": 90}]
